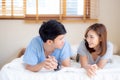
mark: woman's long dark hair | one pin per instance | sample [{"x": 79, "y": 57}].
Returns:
[{"x": 102, "y": 33}]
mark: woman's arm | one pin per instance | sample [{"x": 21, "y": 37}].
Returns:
[
  {"x": 91, "y": 69},
  {"x": 102, "y": 63},
  {"x": 83, "y": 61}
]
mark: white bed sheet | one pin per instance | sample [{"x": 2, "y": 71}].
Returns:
[{"x": 15, "y": 71}]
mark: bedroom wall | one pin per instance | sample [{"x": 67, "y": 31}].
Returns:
[
  {"x": 16, "y": 34},
  {"x": 109, "y": 15}
]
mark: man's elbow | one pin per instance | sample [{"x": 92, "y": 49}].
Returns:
[{"x": 31, "y": 69}]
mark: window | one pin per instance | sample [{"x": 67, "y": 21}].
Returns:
[
  {"x": 11, "y": 8},
  {"x": 74, "y": 7},
  {"x": 48, "y": 9},
  {"x": 42, "y": 9}
]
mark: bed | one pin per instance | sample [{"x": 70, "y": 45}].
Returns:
[{"x": 15, "y": 71}]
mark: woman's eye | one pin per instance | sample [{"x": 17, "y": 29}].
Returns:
[{"x": 91, "y": 37}]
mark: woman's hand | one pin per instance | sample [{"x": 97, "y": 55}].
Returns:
[{"x": 91, "y": 70}]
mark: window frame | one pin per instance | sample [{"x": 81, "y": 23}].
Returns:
[{"x": 60, "y": 17}]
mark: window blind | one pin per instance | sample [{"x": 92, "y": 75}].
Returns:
[
  {"x": 49, "y": 9},
  {"x": 94, "y": 9},
  {"x": 12, "y": 8},
  {"x": 74, "y": 7}
]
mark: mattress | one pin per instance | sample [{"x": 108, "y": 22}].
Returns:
[{"x": 15, "y": 70}]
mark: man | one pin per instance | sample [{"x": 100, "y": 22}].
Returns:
[{"x": 48, "y": 49}]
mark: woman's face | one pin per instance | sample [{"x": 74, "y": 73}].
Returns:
[{"x": 92, "y": 39}]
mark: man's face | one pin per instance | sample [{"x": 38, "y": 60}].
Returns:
[{"x": 59, "y": 41}]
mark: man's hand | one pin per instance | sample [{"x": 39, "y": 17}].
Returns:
[{"x": 50, "y": 63}]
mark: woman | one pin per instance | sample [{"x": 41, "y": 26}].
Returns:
[{"x": 95, "y": 51}]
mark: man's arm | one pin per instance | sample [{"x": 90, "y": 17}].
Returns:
[
  {"x": 50, "y": 64},
  {"x": 34, "y": 68},
  {"x": 66, "y": 62}
]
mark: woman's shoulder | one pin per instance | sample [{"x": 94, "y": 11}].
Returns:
[
  {"x": 82, "y": 43},
  {"x": 109, "y": 44}
]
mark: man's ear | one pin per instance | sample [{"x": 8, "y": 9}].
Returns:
[{"x": 49, "y": 42}]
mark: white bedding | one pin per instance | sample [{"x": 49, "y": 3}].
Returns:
[{"x": 15, "y": 71}]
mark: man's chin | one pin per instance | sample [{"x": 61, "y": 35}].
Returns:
[{"x": 60, "y": 47}]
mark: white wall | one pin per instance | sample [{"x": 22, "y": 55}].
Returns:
[
  {"x": 110, "y": 15},
  {"x": 16, "y": 34}
]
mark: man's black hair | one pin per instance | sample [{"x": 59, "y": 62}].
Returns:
[{"x": 51, "y": 29}]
